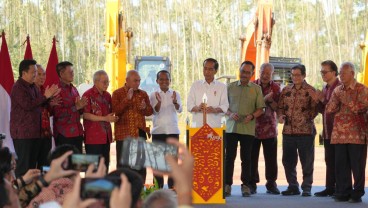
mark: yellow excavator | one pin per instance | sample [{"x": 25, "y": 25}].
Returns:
[{"x": 118, "y": 40}]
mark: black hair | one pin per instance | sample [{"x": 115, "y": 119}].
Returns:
[
  {"x": 332, "y": 66},
  {"x": 24, "y": 66},
  {"x": 4, "y": 199},
  {"x": 5, "y": 160},
  {"x": 60, "y": 150},
  {"x": 5, "y": 167},
  {"x": 135, "y": 180},
  {"x": 216, "y": 66},
  {"x": 301, "y": 67},
  {"x": 247, "y": 63},
  {"x": 163, "y": 71},
  {"x": 61, "y": 66}
]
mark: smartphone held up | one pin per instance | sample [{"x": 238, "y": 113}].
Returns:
[{"x": 138, "y": 154}]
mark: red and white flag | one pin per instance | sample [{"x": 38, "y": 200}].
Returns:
[{"x": 6, "y": 84}]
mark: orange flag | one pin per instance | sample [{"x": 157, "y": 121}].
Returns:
[
  {"x": 51, "y": 74},
  {"x": 6, "y": 84},
  {"x": 28, "y": 53}
]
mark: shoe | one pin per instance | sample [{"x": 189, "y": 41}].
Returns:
[
  {"x": 355, "y": 200},
  {"x": 290, "y": 192},
  {"x": 324, "y": 193},
  {"x": 245, "y": 191},
  {"x": 341, "y": 198},
  {"x": 306, "y": 193},
  {"x": 227, "y": 190},
  {"x": 253, "y": 189},
  {"x": 273, "y": 190}
]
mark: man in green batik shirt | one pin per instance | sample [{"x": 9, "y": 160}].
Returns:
[{"x": 245, "y": 104}]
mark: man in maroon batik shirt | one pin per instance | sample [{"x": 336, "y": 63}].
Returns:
[
  {"x": 97, "y": 117},
  {"x": 25, "y": 115},
  {"x": 46, "y": 133},
  {"x": 266, "y": 132},
  {"x": 67, "y": 126},
  {"x": 329, "y": 75}
]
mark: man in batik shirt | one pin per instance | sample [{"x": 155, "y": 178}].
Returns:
[{"x": 349, "y": 102}]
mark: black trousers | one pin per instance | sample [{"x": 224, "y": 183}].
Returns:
[
  {"x": 75, "y": 141},
  {"x": 350, "y": 158},
  {"x": 231, "y": 145},
  {"x": 291, "y": 147},
  {"x": 119, "y": 153},
  {"x": 330, "y": 164},
  {"x": 163, "y": 138},
  {"x": 100, "y": 149},
  {"x": 31, "y": 153},
  {"x": 270, "y": 157}
]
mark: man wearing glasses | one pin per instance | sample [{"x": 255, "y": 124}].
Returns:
[
  {"x": 329, "y": 75},
  {"x": 297, "y": 110},
  {"x": 97, "y": 116}
]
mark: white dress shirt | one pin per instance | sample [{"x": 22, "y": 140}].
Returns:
[
  {"x": 216, "y": 93},
  {"x": 166, "y": 120}
]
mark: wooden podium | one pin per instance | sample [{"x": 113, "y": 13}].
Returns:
[{"x": 207, "y": 146}]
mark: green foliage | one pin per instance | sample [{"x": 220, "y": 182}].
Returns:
[{"x": 149, "y": 188}]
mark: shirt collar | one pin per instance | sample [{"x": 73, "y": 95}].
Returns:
[
  {"x": 169, "y": 90},
  {"x": 95, "y": 90},
  {"x": 304, "y": 85},
  {"x": 239, "y": 83},
  {"x": 63, "y": 85},
  {"x": 24, "y": 82},
  {"x": 213, "y": 82},
  {"x": 351, "y": 86},
  {"x": 337, "y": 81}
]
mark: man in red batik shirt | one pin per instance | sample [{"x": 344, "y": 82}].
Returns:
[
  {"x": 266, "y": 132},
  {"x": 67, "y": 126},
  {"x": 97, "y": 117}
]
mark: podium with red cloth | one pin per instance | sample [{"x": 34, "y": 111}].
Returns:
[{"x": 207, "y": 146}]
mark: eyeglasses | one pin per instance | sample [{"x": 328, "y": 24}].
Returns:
[
  {"x": 324, "y": 72},
  {"x": 296, "y": 75},
  {"x": 105, "y": 82}
]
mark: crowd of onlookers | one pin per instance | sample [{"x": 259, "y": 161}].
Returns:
[{"x": 252, "y": 110}]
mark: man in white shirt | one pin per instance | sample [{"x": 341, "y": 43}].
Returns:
[
  {"x": 215, "y": 93},
  {"x": 166, "y": 104}
]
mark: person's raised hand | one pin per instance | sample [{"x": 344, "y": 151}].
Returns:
[
  {"x": 122, "y": 197},
  {"x": 182, "y": 172},
  {"x": 51, "y": 91},
  {"x": 268, "y": 97},
  {"x": 73, "y": 200},
  {"x": 80, "y": 102},
  {"x": 158, "y": 97},
  {"x": 30, "y": 175},
  {"x": 142, "y": 105},
  {"x": 57, "y": 170},
  {"x": 55, "y": 101},
  {"x": 174, "y": 98},
  {"x": 101, "y": 170}
]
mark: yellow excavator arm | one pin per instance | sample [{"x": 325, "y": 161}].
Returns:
[
  {"x": 363, "y": 76},
  {"x": 116, "y": 38}
]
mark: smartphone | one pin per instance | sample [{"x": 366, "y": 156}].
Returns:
[
  {"x": 98, "y": 188},
  {"x": 45, "y": 169},
  {"x": 139, "y": 154},
  {"x": 81, "y": 162}
]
